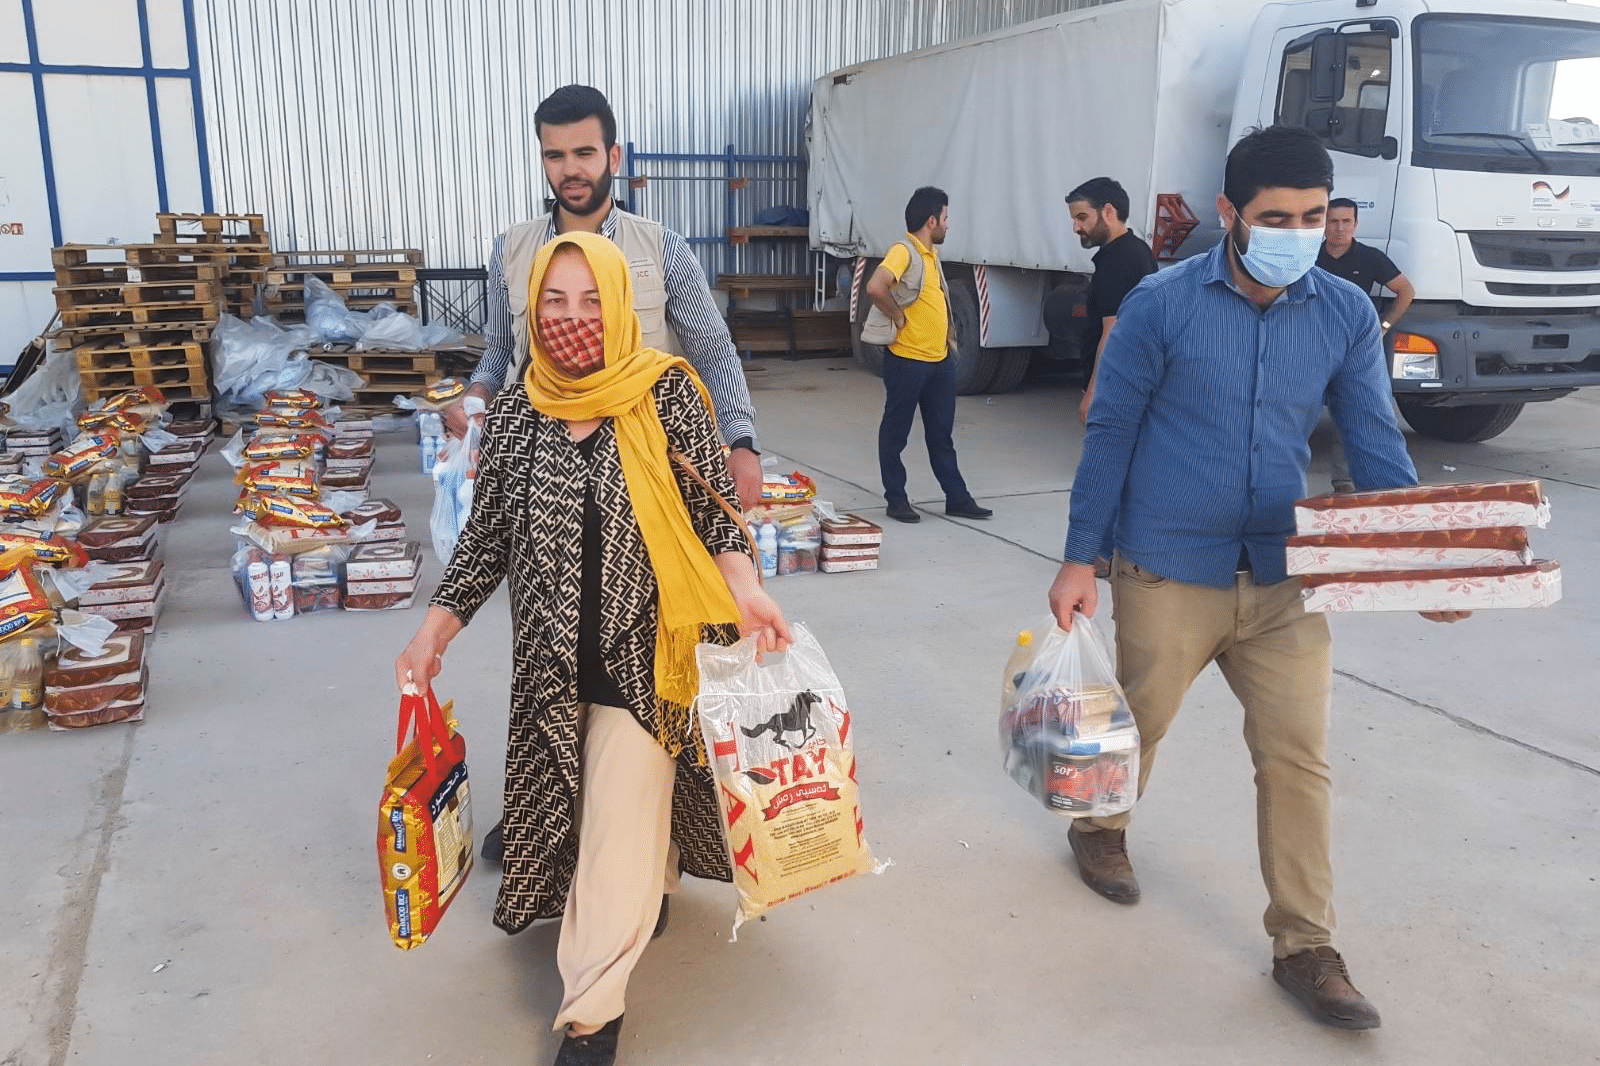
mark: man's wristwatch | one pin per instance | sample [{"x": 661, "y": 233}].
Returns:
[{"x": 747, "y": 443}]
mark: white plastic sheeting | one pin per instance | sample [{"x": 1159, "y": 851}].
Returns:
[{"x": 1007, "y": 124}]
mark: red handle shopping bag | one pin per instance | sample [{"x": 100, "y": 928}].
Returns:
[{"x": 424, "y": 820}]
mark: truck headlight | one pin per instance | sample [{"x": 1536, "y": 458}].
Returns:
[{"x": 1415, "y": 358}]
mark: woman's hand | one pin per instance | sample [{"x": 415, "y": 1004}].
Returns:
[
  {"x": 762, "y": 618},
  {"x": 422, "y": 659}
]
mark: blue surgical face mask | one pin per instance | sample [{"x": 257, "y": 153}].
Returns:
[{"x": 1277, "y": 258}]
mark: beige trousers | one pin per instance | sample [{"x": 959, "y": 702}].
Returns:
[
  {"x": 626, "y": 860},
  {"x": 1277, "y": 660}
]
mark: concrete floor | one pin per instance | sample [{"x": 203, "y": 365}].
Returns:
[{"x": 200, "y": 889}]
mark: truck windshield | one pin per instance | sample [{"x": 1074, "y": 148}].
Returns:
[{"x": 1502, "y": 93}]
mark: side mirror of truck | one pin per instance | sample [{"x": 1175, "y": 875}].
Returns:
[{"x": 1328, "y": 54}]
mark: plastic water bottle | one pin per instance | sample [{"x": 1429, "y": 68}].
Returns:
[
  {"x": 767, "y": 543},
  {"x": 430, "y": 453},
  {"x": 463, "y": 503}
]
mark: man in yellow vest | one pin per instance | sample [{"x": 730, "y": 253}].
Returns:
[
  {"x": 578, "y": 146},
  {"x": 911, "y": 319}
]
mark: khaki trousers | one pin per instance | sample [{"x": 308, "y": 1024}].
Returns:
[
  {"x": 626, "y": 860},
  {"x": 1276, "y": 658}
]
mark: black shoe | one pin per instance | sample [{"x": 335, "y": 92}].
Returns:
[
  {"x": 494, "y": 844},
  {"x": 661, "y": 919},
  {"x": 903, "y": 512},
  {"x": 970, "y": 509},
  {"x": 596, "y": 1049}
]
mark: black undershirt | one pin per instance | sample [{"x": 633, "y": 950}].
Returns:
[{"x": 594, "y": 680}]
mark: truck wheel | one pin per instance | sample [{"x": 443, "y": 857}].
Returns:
[
  {"x": 1460, "y": 425},
  {"x": 1014, "y": 364},
  {"x": 870, "y": 356},
  {"x": 976, "y": 365}
]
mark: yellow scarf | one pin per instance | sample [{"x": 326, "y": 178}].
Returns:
[{"x": 692, "y": 590}]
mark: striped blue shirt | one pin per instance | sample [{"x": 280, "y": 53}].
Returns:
[
  {"x": 691, "y": 314},
  {"x": 1198, "y": 435}
]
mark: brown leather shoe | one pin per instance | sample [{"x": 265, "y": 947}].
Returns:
[
  {"x": 1103, "y": 863},
  {"x": 1319, "y": 979}
]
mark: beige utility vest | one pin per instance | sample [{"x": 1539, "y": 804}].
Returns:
[{"x": 640, "y": 241}]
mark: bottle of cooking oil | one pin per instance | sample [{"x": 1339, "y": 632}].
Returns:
[
  {"x": 113, "y": 493},
  {"x": 96, "y": 503},
  {"x": 27, "y": 686}
]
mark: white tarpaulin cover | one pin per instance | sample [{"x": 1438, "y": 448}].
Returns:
[{"x": 1008, "y": 123}]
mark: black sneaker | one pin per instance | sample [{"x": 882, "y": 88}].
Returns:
[
  {"x": 494, "y": 844},
  {"x": 970, "y": 509},
  {"x": 661, "y": 919},
  {"x": 596, "y": 1049},
  {"x": 903, "y": 512}
]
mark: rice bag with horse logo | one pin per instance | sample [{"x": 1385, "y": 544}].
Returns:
[{"x": 779, "y": 740}]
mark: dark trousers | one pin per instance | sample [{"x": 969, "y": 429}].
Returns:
[{"x": 910, "y": 385}]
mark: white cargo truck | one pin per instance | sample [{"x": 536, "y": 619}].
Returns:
[{"x": 1466, "y": 130}]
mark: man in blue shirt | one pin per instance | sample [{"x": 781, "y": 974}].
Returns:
[{"x": 1196, "y": 451}]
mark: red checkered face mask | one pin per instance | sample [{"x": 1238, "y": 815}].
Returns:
[{"x": 576, "y": 345}]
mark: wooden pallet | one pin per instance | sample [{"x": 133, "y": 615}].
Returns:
[
  {"x": 746, "y": 284},
  {"x": 181, "y": 397},
  {"x": 160, "y": 335},
  {"x": 334, "y": 258},
  {"x": 398, "y": 388},
  {"x": 104, "y": 381},
  {"x": 80, "y": 255},
  {"x": 211, "y": 228},
  {"x": 383, "y": 362},
  {"x": 792, "y": 332},
  {"x": 149, "y": 315},
  {"x": 295, "y": 310},
  {"x": 87, "y": 297},
  {"x": 109, "y": 274},
  {"x": 374, "y": 275},
  {"x": 144, "y": 356},
  {"x": 354, "y": 296},
  {"x": 746, "y": 234}
]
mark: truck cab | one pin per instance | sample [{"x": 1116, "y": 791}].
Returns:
[{"x": 1467, "y": 133}]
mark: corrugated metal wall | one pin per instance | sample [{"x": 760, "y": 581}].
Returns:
[{"x": 390, "y": 123}]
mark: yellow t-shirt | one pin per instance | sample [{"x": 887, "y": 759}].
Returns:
[{"x": 926, "y": 334}]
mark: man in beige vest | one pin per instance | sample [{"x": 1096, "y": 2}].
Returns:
[{"x": 578, "y": 146}]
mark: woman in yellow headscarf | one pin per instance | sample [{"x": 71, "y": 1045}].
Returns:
[{"x": 619, "y": 562}]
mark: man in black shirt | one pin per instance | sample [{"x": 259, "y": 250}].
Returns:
[
  {"x": 1363, "y": 266},
  {"x": 1099, "y": 209}
]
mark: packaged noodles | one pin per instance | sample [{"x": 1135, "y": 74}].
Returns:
[{"x": 424, "y": 821}]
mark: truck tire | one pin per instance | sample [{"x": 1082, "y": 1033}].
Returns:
[
  {"x": 976, "y": 365},
  {"x": 1460, "y": 425},
  {"x": 869, "y": 356},
  {"x": 1014, "y": 364}
]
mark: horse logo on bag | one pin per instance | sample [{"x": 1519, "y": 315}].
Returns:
[{"x": 797, "y": 719}]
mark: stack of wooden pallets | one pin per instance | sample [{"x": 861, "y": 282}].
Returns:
[
  {"x": 364, "y": 278},
  {"x": 238, "y": 244},
  {"x": 138, "y": 314}
]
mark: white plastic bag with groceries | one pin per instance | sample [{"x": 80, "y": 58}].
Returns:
[
  {"x": 778, "y": 739},
  {"x": 1066, "y": 733},
  {"x": 453, "y": 475}
]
